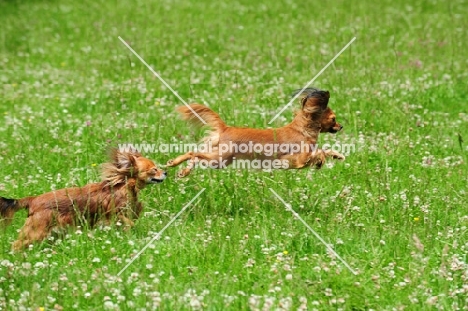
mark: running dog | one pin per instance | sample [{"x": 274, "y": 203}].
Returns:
[
  {"x": 116, "y": 196},
  {"x": 226, "y": 141}
]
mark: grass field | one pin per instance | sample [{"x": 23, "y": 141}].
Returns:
[{"x": 395, "y": 210}]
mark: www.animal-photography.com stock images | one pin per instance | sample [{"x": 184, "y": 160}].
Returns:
[{"x": 233, "y": 155}]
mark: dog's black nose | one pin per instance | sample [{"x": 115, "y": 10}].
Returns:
[{"x": 165, "y": 173}]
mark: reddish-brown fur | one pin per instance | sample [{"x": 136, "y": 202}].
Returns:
[
  {"x": 115, "y": 196},
  {"x": 313, "y": 118},
  {"x": 328, "y": 122}
]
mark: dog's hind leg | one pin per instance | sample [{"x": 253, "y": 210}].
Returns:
[{"x": 36, "y": 228}]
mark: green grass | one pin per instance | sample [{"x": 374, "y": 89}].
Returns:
[{"x": 395, "y": 210}]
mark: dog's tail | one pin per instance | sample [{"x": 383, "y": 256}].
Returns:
[
  {"x": 8, "y": 208},
  {"x": 195, "y": 113}
]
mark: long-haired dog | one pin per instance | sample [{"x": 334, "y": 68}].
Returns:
[
  {"x": 225, "y": 141},
  {"x": 116, "y": 196}
]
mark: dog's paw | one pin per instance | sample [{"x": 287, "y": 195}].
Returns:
[
  {"x": 338, "y": 156},
  {"x": 335, "y": 155},
  {"x": 183, "y": 173},
  {"x": 128, "y": 227},
  {"x": 170, "y": 163}
]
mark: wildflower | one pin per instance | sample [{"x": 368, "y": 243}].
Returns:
[
  {"x": 416, "y": 218},
  {"x": 108, "y": 305},
  {"x": 250, "y": 263},
  {"x": 285, "y": 252},
  {"x": 93, "y": 165},
  {"x": 432, "y": 300},
  {"x": 39, "y": 265}
]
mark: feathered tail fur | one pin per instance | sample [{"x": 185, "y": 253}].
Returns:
[{"x": 195, "y": 113}]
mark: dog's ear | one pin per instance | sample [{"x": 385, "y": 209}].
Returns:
[
  {"x": 124, "y": 159},
  {"x": 303, "y": 100},
  {"x": 317, "y": 98},
  {"x": 316, "y": 102},
  {"x": 324, "y": 100}
]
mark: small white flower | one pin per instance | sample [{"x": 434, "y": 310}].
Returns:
[
  {"x": 39, "y": 265},
  {"x": 250, "y": 263},
  {"x": 108, "y": 305}
]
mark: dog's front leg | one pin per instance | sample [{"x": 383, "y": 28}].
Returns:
[
  {"x": 138, "y": 209},
  {"x": 186, "y": 171},
  {"x": 318, "y": 157},
  {"x": 189, "y": 156},
  {"x": 334, "y": 155},
  {"x": 127, "y": 222},
  {"x": 180, "y": 159},
  {"x": 305, "y": 159}
]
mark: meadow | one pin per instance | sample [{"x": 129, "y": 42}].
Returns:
[{"x": 395, "y": 210}]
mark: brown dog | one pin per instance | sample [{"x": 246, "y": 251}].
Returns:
[
  {"x": 225, "y": 142},
  {"x": 115, "y": 196}
]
